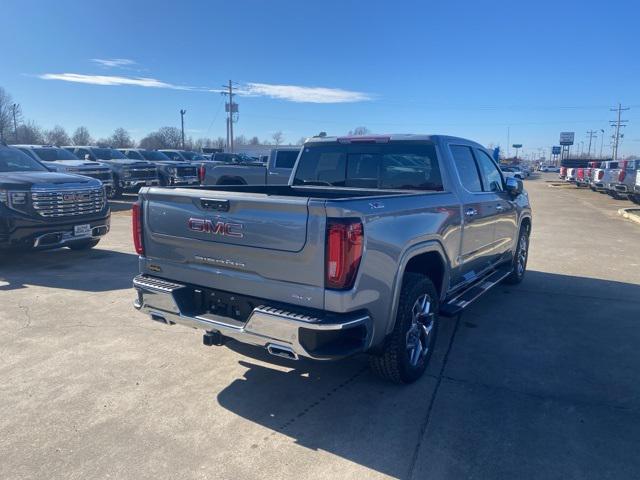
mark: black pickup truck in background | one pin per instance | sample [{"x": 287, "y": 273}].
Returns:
[{"x": 43, "y": 209}]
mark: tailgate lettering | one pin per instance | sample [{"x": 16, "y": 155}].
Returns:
[{"x": 218, "y": 228}]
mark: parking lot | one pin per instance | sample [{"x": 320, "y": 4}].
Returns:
[{"x": 538, "y": 380}]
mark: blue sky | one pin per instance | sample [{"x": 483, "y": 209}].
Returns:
[{"x": 463, "y": 68}]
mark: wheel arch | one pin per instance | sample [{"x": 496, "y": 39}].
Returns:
[{"x": 427, "y": 258}]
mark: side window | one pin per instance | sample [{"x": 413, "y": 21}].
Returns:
[
  {"x": 173, "y": 155},
  {"x": 467, "y": 168},
  {"x": 286, "y": 159},
  {"x": 133, "y": 155},
  {"x": 81, "y": 152},
  {"x": 491, "y": 176}
]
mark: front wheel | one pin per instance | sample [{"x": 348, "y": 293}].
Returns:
[
  {"x": 520, "y": 258},
  {"x": 114, "y": 192},
  {"x": 84, "y": 244},
  {"x": 409, "y": 347}
]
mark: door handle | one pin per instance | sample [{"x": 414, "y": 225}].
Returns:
[
  {"x": 499, "y": 208},
  {"x": 471, "y": 212}
]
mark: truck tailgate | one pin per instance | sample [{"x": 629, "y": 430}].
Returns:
[{"x": 247, "y": 243}]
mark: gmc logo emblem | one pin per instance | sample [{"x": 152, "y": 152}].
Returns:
[
  {"x": 216, "y": 227},
  {"x": 69, "y": 197}
]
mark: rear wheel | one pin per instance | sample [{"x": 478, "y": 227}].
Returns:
[
  {"x": 520, "y": 258},
  {"x": 635, "y": 198},
  {"x": 408, "y": 349},
  {"x": 84, "y": 244}
]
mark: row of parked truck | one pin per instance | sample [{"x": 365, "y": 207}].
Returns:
[
  {"x": 127, "y": 169},
  {"x": 620, "y": 179},
  {"x": 53, "y": 196}
]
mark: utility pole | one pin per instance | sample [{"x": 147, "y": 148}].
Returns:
[
  {"x": 591, "y": 133},
  {"x": 182, "y": 112},
  {"x": 14, "y": 109},
  {"x": 617, "y": 124},
  {"x": 601, "y": 140},
  {"x": 231, "y": 107}
]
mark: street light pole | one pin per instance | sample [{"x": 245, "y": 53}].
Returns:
[
  {"x": 182, "y": 112},
  {"x": 601, "y": 141}
]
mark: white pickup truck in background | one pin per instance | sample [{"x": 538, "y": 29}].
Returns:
[{"x": 276, "y": 171}]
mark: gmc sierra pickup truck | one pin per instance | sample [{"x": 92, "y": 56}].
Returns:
[
  {"x": 371, "y": 242},
  {"x": 42, "y": 209},
  {"x": 276, "y": 171}
]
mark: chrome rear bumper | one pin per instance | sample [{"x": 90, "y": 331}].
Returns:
[{"x": 266, "y": 326}]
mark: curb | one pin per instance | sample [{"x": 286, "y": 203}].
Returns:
[{"x": 632, "y": 214}]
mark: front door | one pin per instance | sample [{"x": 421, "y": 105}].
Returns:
[
  {"x": 477, "y": 247},
  {"x": 506, "y": 222}
]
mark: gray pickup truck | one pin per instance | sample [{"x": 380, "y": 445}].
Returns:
[
  {"x": 373, "y": 239},
  {"x": 276, "y": 171}
]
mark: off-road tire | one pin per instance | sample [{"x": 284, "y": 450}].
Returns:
[
  {"x": 517, "y": 274},
  {"x": 84, "y": 244},
  {"x": 393, "y": 362}
]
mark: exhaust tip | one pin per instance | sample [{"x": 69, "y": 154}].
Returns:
[{"x": 282, "y": 351}]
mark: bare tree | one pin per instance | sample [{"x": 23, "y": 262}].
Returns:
[
  {"x": 171, "y": 137},
  {"x": 254, "y": 141},
  {"x": 30, "y": 133},
  {"x": 220, "y": 142},
  {"x": 6, "y": 117},
  {"x": 81, "y": 136},
  {"x": 103, "y": 142},
  {"x": 121, "y": 139},
  {"x": 277, "y": 137},
  {"x": 152, "y": 141},
  {"x": 57, "y": 136},
  {"x": 165, "y": 137},
  {"x": 359, "y": 131}
]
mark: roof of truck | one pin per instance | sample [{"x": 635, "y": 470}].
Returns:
[{"x": 390, "y": 137}]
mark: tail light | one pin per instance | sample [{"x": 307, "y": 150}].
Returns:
[
  {"x": 344, "y": 251},
  {"x": 136, "y": 223},
  {"x": 623, "y": 172},
  {"x": 201, "y": 173}
]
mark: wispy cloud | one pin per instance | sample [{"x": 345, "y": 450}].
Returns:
[
  {"x": 114, "y": 62},
  {"x": 291, "y": 93},
  {"x": 113, "y": 80},
  {"x": 295, "y": 93}
]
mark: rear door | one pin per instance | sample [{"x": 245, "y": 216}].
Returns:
[
  {"x": 280, "y": 166},
  {"x": 477, "y": 249}
]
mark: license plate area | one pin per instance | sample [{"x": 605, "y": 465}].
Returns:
[{"x": 82, "y": 230}]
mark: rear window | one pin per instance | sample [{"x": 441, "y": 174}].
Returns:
[{"x": 393, "y": 166}]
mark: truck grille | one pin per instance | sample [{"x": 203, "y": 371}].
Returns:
[
  {"x": 102, "y": 175},
  {"x": 186, "y": 172},
  {"x": 143, "y": 173},
  {"x": 68, "y": 203}
]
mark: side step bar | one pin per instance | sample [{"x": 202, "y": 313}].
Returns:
[{"x": 457, "y": 304}]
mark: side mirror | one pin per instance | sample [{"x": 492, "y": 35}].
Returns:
[
  {"x": 514, "y": 186},
  {"x": 87, "y": 156}
]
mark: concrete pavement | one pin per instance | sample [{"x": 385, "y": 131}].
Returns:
[{"x": 539, "y": 380}]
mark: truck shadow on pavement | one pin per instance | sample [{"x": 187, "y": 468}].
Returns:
[
  {"x": 94, "y": 270},
  {"x": 542, "y": 344}
]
